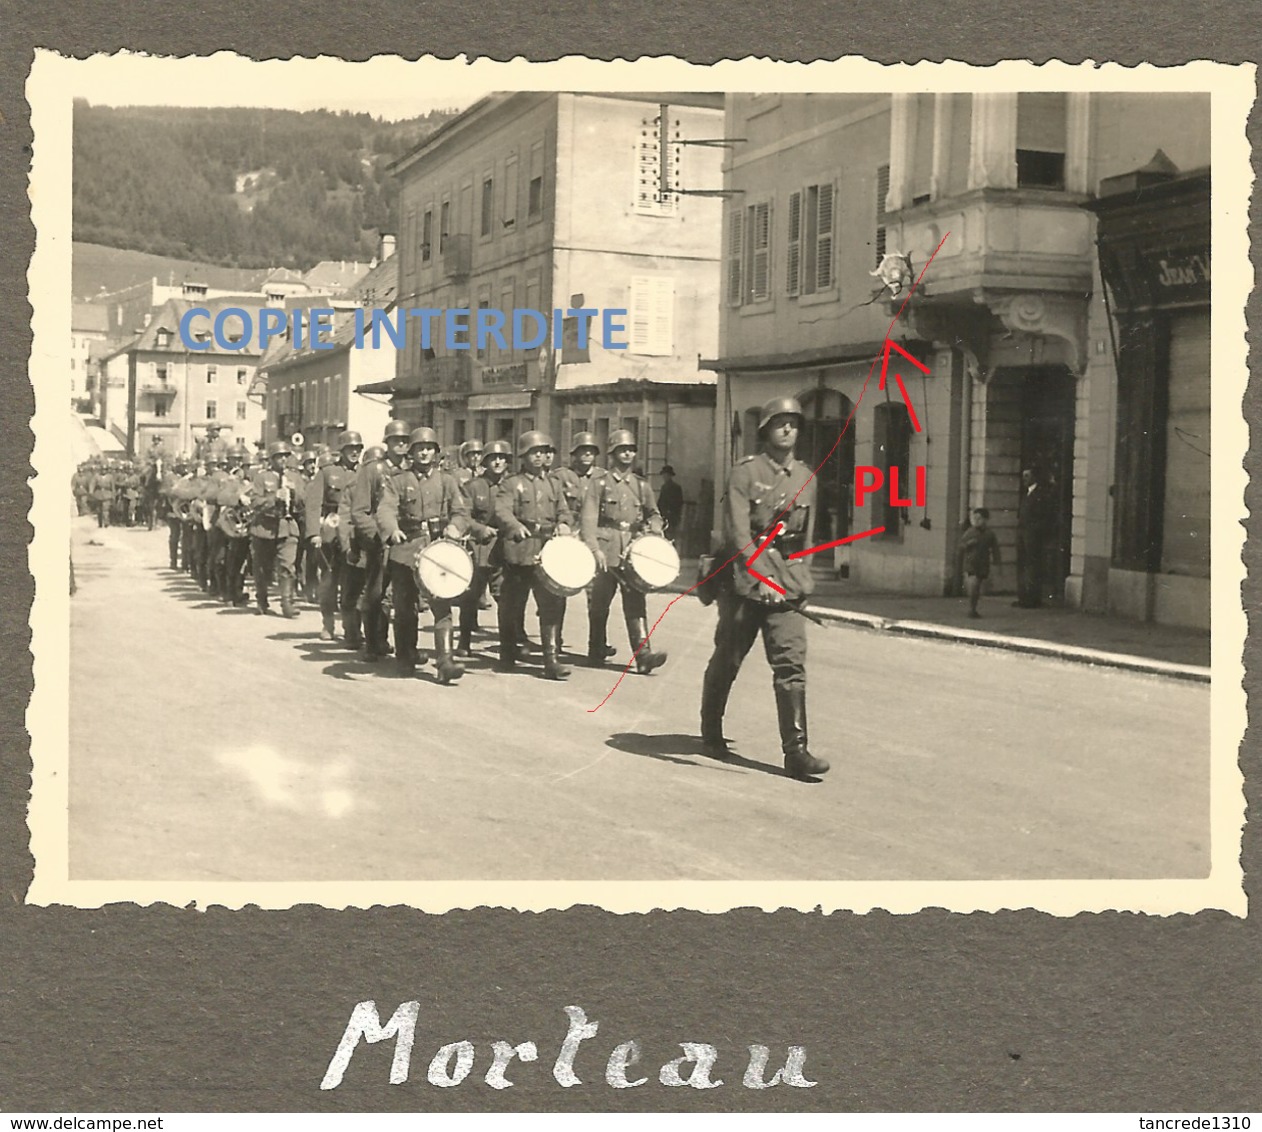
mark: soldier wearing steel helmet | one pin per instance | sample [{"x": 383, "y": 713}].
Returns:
[
  {"x": 323, "y": 496},
  {"x": 488, "y": 555},
  {"x": 276, "y": 528},
  {"x": 418, "y": 507},
  {"x": 530, "y": 509},
  {"x": 353, "y": 557},
  {"x": 581, "y": 477},
  {"x": 217, "y": 480},
  {"x": 366, "y": 495},
  {"x": 619, "y": 506},
  {"x": 470, "y": 461},
  {"x": 234, "y": 495},
  {"x": 171, "y": 512},
  {"x": 763, "y": 490}
]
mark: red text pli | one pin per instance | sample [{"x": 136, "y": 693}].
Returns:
[{"x": 869, "y": 480}]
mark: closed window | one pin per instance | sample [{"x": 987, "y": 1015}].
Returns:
[
  {"x": 510, "y": 192},
  {"x": 212, "y": 410},
  {"x": 212, "y": 374},
  {"x": 534, "y": 204},
  {"x": 427, "y": 234},
  {"x": 240, "y": 410},
  {"x": 810, "y": 245},
  {"x": 444, "y": 224},
  {"x": 652, "y": 315},
  {"x": 749, "y": 259},
  {"x": 488, "y": 205},
  {"x": 882, "y": 194},
  {"x": 242, "y": 375},
  {"x": 1042, "y": 126}
]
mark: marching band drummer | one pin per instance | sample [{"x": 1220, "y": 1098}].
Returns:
[
  {"x": 274, "y": 530},
  {"x": 529, "y": 509},
  {"x": 619, "y": 506},
  {"x": 417, "y": 507},
  {"x": 488, "y": 555},
  {"x": 232, "y": 521},
  {"x": 324, "y": 493}
]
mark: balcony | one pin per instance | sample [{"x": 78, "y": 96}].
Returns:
[
  {"x": 157, "y": 389},
  {"x": 450, "y": 374},
  {"x": 457, "y": 256}
]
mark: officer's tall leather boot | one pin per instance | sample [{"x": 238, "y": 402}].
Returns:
[
  {"x": 553, "y": 669},
  {"x": 287, "y": 608},
  {"x": 448, "y": 669},
  {"x": 715, "y": 688},
  {"x": 646, "y": 659},
  {"x": 468, "y": 622},
  {"x": 352, "y": 629},
  {"x": 791, "y": 708},
  {"x": 597, "y": 650}
]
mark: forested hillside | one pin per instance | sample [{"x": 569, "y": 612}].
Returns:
[{"x": 241, "y": 187}]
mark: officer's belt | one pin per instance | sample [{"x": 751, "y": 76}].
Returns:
[
  {"x": 616, "y": 525},
  {"x": 543, "y": 530}
]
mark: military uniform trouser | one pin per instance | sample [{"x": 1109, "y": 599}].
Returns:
[
  {"x": 600, "y": 599},
  {"x": 186, "y": 545},
  {"x": 201, "y": 561},
  {"x": 371, "y": 596},
  {"x": 103, "y": 512},
  {"x": 234, "y": 569},
  {"x": 407, "y": 605},
  {"x": 174, "y": 531},
  {"x": 784, "y": 641},
  {"x": 217, "y": 559},
  {"x": 331, "y": 564},
  {"x": 519, "y": 583},
  {"x": 486, "y": 579},
  {"x": 279, "y": 554}
]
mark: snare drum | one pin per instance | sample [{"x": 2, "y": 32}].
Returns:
[
  {"x": 651, "y": 563},
  {"x": 566, "y": 566},
  {"x": 444, "y": 569}
]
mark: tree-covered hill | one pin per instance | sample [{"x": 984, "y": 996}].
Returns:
[{"x": 242, "y": 187}]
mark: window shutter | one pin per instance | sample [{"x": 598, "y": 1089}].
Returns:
[
  {"x": 641, "y": 288},
  {"x": 793, "y": 282},
  {"x": 735, "y": 254},
  {"x": 882, "y": 192},
  {"x": 652, "y": 315},
  {"x": 760, "y": 261},
  {"x": 824, "y": 248}
]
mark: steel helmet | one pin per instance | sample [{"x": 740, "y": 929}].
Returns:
[
  {"x": 468, "y": 446},
  {"x": 497, "y": 448},
  {"x": 247, "y": 458},
  {"x": 279, "y": 448},
  {"x": 532, "y": 439},
  {"x": 325, "y": 459},
  {"x": 778, "y": 405},
  {"x": 584, "y": 440},
  {"x": 622, "y": 438},
  {"x": 423, "y": 435},
  {"x": 350, "y": 439},
  {"x": 371, "y": 455},
  {"x": 310, "y": 456},
  {"x": 396, "y": 428}
]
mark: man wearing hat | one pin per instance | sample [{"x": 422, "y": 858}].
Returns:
[
  {"x": 218, "y": 481},
  {"x": 529, "y": 509},
  {"x": 366, "y": 494},
  {"x": 277, "y": 495},
  {"x": 307, "y": 567},
  {"x": 762, "y": 491},
  {"x": 324, "y": 494},
  {"x": 488, "y": 555},
  {"x": 417, "y": 507},
  {"x": 670, "y": 501},
  {"x": 619, "y": 506}
]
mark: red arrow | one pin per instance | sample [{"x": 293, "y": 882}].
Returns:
[
  {"x": 885, "y": 358},
  {"x": 836, "y": 542},
  {"x": 754, "y": 558}
]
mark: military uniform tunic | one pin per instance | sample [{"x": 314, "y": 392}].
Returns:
[
  {"x": 618, "y": 507},
  {"x": 528, "y": 509}
]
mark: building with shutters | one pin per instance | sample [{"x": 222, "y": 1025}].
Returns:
[
  {"x": 1019, "y": 360},
  {"x": 550, "y": 201}
]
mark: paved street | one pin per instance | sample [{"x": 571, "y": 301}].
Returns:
[{"x": 209, "y": 743}]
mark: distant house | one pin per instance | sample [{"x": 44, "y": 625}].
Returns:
[{"x": 89, "y": 329}]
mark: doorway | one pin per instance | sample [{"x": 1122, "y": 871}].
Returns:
[
  {"x": 832, "y": 460},
  {"x": 1048, "y": 396}
]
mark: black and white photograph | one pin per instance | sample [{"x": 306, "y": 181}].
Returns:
[{"x": 534, "y": 485}]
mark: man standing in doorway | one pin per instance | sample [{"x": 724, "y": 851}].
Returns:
[
  {"x": 1034, "y": 524},
  {"x": 670, "y": 501}
]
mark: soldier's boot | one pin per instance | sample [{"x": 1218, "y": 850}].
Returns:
[
  {"x": 646, "y": 660},
  {"x": 553, "y": 669},
  {"x": 372, "y": 650},
  {"x": 352, "y": 629},
  {"x": 508, "y": 656},
  {"x": 791, "y": 708},
  {"x": 328, "y": 631},
  {"x": 597, "y": 649},
  {"x": 287, "y": 607},
  {"x": 714, "y": 692},
  {"x": 448, "y": 669},
  {"x": 468, "y": 622}
]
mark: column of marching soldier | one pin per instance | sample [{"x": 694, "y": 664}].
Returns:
[{"x": 362, "y": 517}]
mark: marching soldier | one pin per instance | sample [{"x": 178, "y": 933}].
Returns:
[
  {"x": 274, "y": 531},
  {"x": 366, "y": 496},
  {"x": 470, "y": 462},
  {"x": 218, "y": 482},
  {"x": 772, "y": 487},
  {"x": 619, "y": 506},
  {"x": 234, "y": 495},
  {"x": 529, "y": 509},
  {"x": 353, "y": 554},
  {"x": 417, "y": 507},
  {"x": 306, "y": 568},
  {"x": 103, "y": 495},
  {"x": 577, "y": 481},
  {"x": 324, "y": 494},
  {"x": 129, "y": 492},
  {"x": 197, "y": 487},
  {"x": 79, "y": 483},
  {"x": 488, "y": 557},
  {"x": 172, "y": 515}
]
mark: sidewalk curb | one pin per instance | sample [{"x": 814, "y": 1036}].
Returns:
[{"x": 1075, "y": 653}]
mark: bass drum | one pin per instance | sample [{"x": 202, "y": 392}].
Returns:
[
  {"x": 652, "y": 563},
  {"x": 444, "y": 569},
  {"x": 566, "y": 567}
]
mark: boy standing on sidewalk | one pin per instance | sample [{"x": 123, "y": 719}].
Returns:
[{"x": 978, "y": 547}]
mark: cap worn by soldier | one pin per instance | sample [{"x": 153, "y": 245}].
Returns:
[
  {"x": 397, "y": 428},
  {"x": 497, "y": 448},
  {"x": 423, "y": 436},
  {"x": 780, "y": 406},
  {"x": 528, "y": 441},
  {"x": 584, "y": 440},
  {"x": 622, "y": 438},
  {"x": 350, "y": 439}
]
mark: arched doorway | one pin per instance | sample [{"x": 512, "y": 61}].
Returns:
[{"x": 830, "y": 453}]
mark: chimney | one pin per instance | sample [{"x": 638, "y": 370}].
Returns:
[{"x": 387, "y": 247}]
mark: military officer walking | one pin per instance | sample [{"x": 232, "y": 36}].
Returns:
[
  {"x": 619, "y": 506},
  {"x": 275, "y": 529},
  {"x": 324, "y": 494},
  {"x": 418, "y": 507},
  {"x": 529, "y": 510},
  {"x": 488, "y": 555},
  {"x": 763, "y": 490}
]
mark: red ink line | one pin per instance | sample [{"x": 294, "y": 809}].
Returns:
[
  {"x": 891, "y": 345},
  {"x": 849, "y": 420},
  {"x": 763, "y": 546},
  {"x": 765, "y": 580},
  {"x": 837, "y": 542},
  {"x": 915, "y": 421}
]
